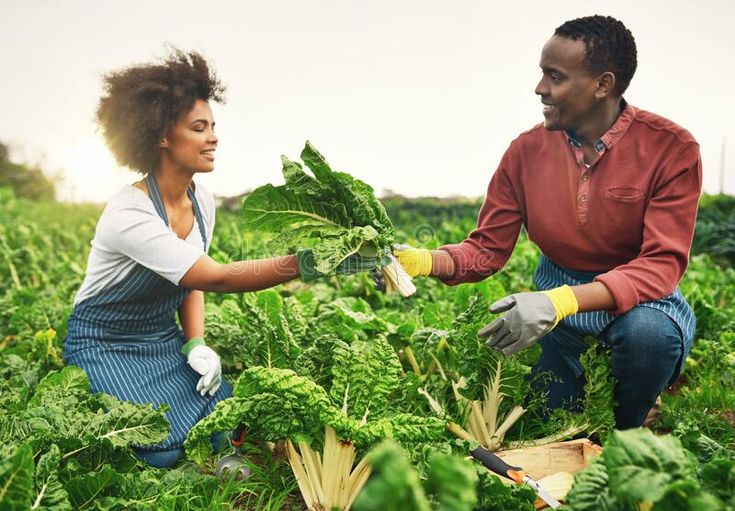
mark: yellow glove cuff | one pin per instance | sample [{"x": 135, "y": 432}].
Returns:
[
  {"x": 565, "y": 303},
  {"x": 416, "y": 261}
]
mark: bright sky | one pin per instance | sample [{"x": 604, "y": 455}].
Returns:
[{"x": 421, "y": 97}]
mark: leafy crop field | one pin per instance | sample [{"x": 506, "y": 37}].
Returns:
[{"x": 324, "y": 372}]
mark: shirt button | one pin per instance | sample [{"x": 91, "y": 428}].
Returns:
[
  {"x": 585, "y": 177},
  {"x": 582, "y": 198}
]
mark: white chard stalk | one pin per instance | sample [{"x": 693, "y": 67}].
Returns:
[
  {"x": 396, "y": 278},
  {"x": 333, "y": 483},
  {"x": 483, "y": 421}
]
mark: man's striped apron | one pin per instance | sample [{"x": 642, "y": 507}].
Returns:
[{"x": 572, "y": 330}]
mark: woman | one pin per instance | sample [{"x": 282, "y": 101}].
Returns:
[{"x": 148, "y": 259}]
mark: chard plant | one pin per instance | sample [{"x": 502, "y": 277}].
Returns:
[
  {"x": 324, "y": 431},
  {"x": 450, "y": 482},
  {"x": 644, "y": 472},
  {"x": 67, "y": 447},
  {"x": 333, "y": 212}
]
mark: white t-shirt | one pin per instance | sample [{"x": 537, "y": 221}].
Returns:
[{"x": 130, "y": 232}]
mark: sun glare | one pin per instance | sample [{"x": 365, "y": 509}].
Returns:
[{"x": 90, "y": 173}]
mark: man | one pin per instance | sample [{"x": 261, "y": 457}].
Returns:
[{"x": 609, "y": 194}]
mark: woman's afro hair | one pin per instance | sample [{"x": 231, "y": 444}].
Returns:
[
  {"x": 142, "y": 103},
  {"x": 609, "y": 46}
]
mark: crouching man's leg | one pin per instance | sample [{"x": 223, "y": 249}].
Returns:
[
  {"x": 647, "y": 348},
  {"x": 559, "y": 371}
]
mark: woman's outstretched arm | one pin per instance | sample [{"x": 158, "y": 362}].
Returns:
[{"x": 239, "y": 276}]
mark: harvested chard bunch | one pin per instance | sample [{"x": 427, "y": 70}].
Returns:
[
  {"x": 277, "y": 404},
  {"x": 333, "y": 210}
]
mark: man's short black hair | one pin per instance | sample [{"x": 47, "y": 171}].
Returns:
[
  {"x": 143, "y": 102},
  {"x": 609, "y": 45}
]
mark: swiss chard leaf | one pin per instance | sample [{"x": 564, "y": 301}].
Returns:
[
  {"x": 640, "y": 465},
  {"x": 337, "y": 213},
  {"x": 49, "y": 492},
  {"x": 366, "y": 374},
  {"x": 16, "y": 479}
]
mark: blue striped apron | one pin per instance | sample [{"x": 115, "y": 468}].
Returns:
[
  {"x": 127, "y": 341},
  {"x": 573, "y": 329}
]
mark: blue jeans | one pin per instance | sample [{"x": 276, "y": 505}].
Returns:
[
  {"x": 647, "y": 354},
  {"x": 169, "y": 458}
]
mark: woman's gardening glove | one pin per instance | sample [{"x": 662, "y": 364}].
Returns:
[
  {"x": 416, "y": 261},
  {"x": 360, "y": 261},
  {"x": 529, "y": 316},
  {"x": 206, "y": 362}
]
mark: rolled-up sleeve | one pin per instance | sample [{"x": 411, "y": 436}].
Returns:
[
  {"x": 489, "y": 246},
  {"x": 668, "y": 229}
]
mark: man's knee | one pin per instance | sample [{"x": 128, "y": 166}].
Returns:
[
  {"x": 644, "y": 337},
  {"x": 643, "y": 325}
]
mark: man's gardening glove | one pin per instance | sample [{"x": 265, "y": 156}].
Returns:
[
  {"x": 206, "y": 362},
  {"x": 360, "y": 261},
  {"x": 529, "y": 316},
  {"x": 416, "y": 261}
]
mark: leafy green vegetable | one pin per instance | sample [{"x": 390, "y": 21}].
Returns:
[
  {"x": 591, "y": 490},
  {"x": 364, "y": 376},
  {"x": 337, "y": 210},
  {"x": 452, "y": 482},
  {"x": 255, "y": 329},
  {"x": 50, "y": 493},
  {"x": 495, "y": 495},
  {"x": 276, "y": 404},
  {"x": 396, "y": 485},
  {"x": 16, "y": 479},
  {"x": 638, "y": 469}
]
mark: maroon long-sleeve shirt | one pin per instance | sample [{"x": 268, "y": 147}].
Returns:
[{"x": 630, "y": 215}]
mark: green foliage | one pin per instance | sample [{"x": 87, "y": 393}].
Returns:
[
  {"x": 710, "y": 291},
  {"x": 338, "y": 211},
  {"x": 715, "y": 231},
  {"x": 707, "y": 399},
  {"x": 365, "y": 376},
  {"x": 74, "y": 444},
  {"x": 26, "y": 181},
  {"x": 591, "y": 490},
  {"x": 638, "y": 468},
  {"x": 275, "y": 404},
  {"x": 50, "y": 492},
  {"x": 395, "y": 484},
  {"x": 255, "y": 329},
  {"x": 16, "y": 479},
  {"x": 599, "y": 387},
  {"x": 495, "y": 495}
]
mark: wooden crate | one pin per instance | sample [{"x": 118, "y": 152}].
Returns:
[{"x": 547, "y": 460}]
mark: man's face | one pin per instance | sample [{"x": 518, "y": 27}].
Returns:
[{"x": 567, "y": 88}]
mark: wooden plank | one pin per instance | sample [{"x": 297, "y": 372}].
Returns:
[{"x": 542, "y": 461}]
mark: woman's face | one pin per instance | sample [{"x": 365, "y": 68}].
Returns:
[{"x": 191, "y": 143}]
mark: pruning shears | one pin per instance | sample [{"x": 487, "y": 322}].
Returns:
[{"x": 500, "y": 467}]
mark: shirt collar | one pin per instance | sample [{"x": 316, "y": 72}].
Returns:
[{"x": 613, "y": 134}]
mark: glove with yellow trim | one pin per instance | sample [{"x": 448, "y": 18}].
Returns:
[
  {"x": 529, "y": 316},
  {"x": 416, "y": 261}
]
